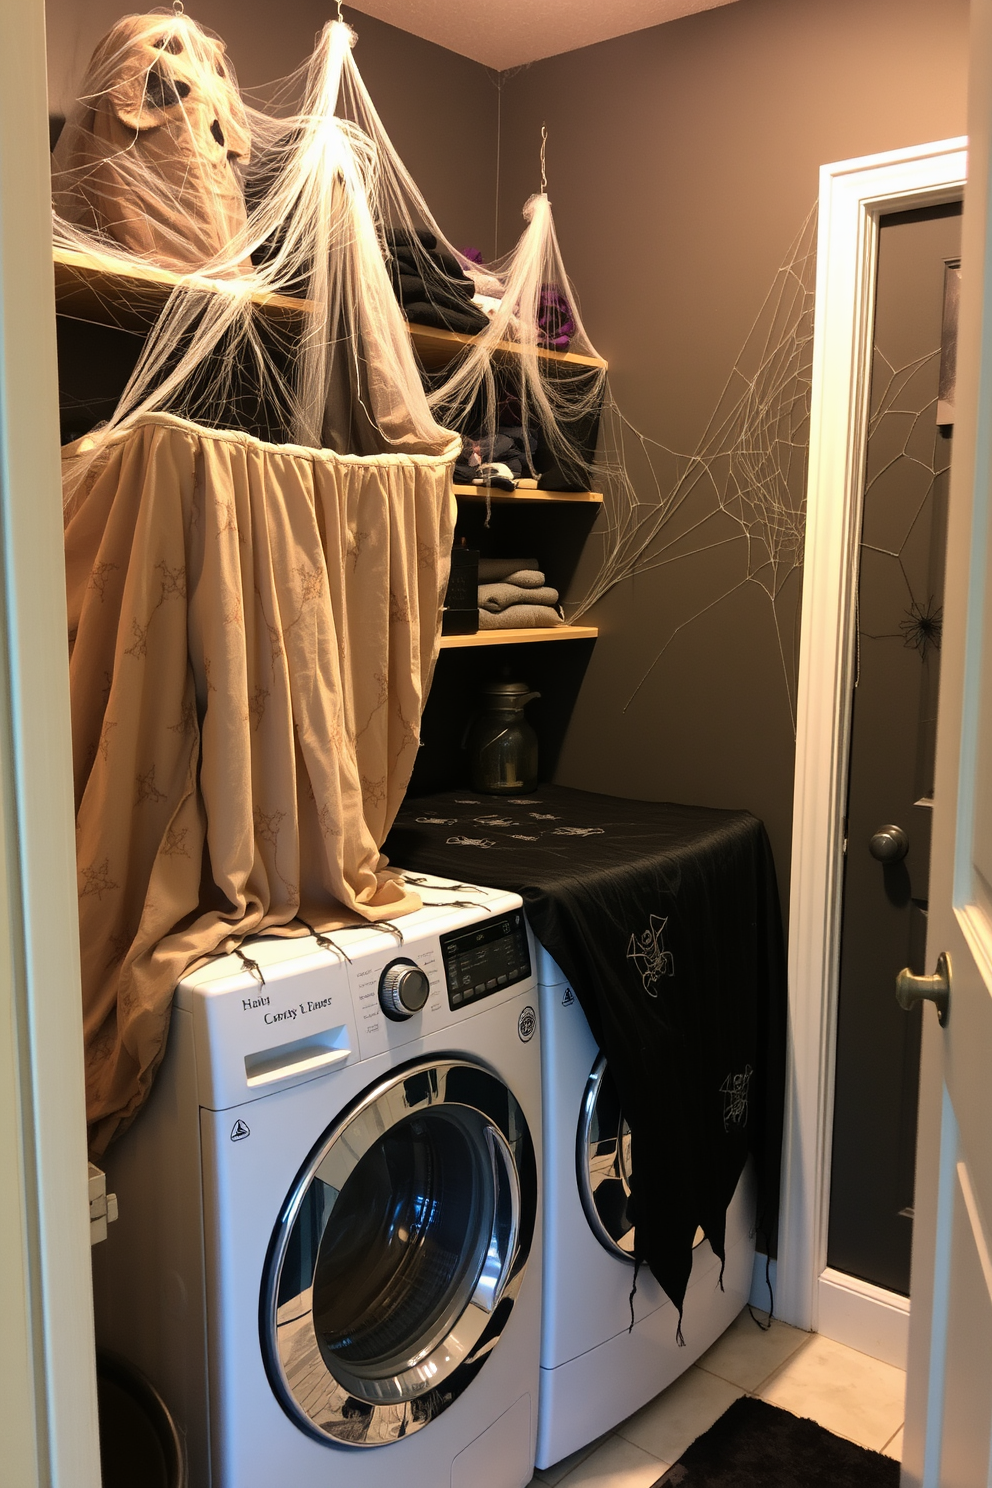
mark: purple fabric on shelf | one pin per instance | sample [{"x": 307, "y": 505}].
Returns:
[
  {"x": 474, "y": 255},
  {"x": 555, "y": 326}
]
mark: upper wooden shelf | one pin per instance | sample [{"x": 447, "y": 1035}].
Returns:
[
  {"x": 479, "y": 493},
  {"x": 88, "y": 287},
  {"x": 435, "y": 347},
  {"x": 107, "y": 293},
  {"x": 517, "y": 637}
]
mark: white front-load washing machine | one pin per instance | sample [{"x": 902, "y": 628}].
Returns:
[
  {"x": 328, "y": 1256},
  {"x": 596, "y": 1368}
]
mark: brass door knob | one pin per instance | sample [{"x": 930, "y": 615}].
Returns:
[{"x": 912, "y": 989}]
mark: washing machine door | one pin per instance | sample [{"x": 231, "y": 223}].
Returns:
[
  {"x": 399, "y": 1253},
  {"x": 602, "y": 1162}
]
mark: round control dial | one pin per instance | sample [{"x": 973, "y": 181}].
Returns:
[{"x": 403, "y": 989}]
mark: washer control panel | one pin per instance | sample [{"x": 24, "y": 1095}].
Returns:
[{"x": 485, "y": 958}]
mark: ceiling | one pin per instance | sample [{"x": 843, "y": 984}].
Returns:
[{"x": 508, "y": 33}]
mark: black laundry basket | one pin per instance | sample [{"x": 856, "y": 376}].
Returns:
[{"x": 139, "y": 1444}]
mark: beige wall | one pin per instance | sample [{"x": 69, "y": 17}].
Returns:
[{"x": 681, "y": 163}]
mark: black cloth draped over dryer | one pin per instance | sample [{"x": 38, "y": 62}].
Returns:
[{"x": 665, "y": 919}]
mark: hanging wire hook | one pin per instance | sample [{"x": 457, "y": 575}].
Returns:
[
  {"x": 178, "y": 8},
  {"x": 340, "y": 13},
  {"x": 544, "y": 173}
]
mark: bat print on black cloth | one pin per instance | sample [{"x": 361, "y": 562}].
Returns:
[{"x": 648, "y": 953}]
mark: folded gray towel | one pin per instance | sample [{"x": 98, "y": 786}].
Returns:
[
  {"x": 520, "y": 617},
  {"x": 496, "y": 597},
  {"x": 524, "y": 578},
  {"x": 491, "y": 570}
]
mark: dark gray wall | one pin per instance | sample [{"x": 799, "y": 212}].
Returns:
[
  {"x": 681, "y": 163},
  {"x": 438, "y": 108}
]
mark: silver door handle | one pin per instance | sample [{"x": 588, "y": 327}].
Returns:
[{"x": 912, "y": 989}]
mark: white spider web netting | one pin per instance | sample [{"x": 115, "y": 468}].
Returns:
[
  {"x": 744, "y": 484},
  {"x": 293, "y": 233},
  {"x": 305, "y": 259}
]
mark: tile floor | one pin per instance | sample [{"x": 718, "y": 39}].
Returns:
[{"x": 805, "y": 1373}]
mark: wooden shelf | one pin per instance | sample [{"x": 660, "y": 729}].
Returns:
[
  {"x": 130, "y": 296},
  {"x": 479, "y": 493},
  {"x": 106, "y": 292},
  {"x": 518, "y": 637},
  {"x": 435, "y": 347}
]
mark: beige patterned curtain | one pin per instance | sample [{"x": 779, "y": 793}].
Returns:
[{"x": 253, "y": 631}]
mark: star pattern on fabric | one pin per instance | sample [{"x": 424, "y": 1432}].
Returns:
[
  {"x": 98, "y": 880},
  {"x": 187, "y": 719},
  {"x": 227, "y": 511},
  {"x": 139, "y": 641},
  {"x": 410, "y": 734},
  {"x": 275, "y": 641},
  {"x": 374, "y": 791},
  {"x": 426, "y": 555},
  {"x": 357, "y": 538},
  {"x": 207, "y": 664},
  {"x": 119, "y": 944},
  {"x": 234, "y": 611},
  {"x": 173, "y": 579},
  {"x": 100, "y": 577},
  {"x": 256, "y": 704},
  {"x": 311, "y": 583},
  {"x": 127, "y": 996},
  {"x": 328, "y": 825},
  {"x": 267, "y": 824},
  {"x": 146, "y": 789},
  {"x": 399, "y": 610},
  {"x": 104, "y": 745},
  {"x": 174, "y": 845},
  {"x": 108, "y": 682}
]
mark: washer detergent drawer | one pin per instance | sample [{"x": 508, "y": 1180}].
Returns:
[{"x": 255, "y": 1034}]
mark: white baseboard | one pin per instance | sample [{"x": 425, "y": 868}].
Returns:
[
  {"x": 759, "y": 1282},
  {"x": 865, "y": 1317}
]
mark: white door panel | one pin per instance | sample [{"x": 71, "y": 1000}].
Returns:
[{"x": 949, "y": 1396}]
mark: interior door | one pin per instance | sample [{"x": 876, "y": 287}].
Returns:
[
  {"x": 949, "y": 1404},
  {"x": 890, "y": 775}
]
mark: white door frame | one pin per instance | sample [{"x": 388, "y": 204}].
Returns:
[
  {"x": 48, "y": 1420},
  {"x": 854, "y": 194}
]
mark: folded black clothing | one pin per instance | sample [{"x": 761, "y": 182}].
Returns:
[
  {"x": 432, "y": 291},
  {"x": 469, "y": 321},
  {"x": 402, "y": 244},
  {"x": 405, "y": 261},
  {"x": 512, "y": 448},
  {"x": 429, "y": 276}
]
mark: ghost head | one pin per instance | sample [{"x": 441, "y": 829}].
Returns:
[{"x": 147, "y": 158}]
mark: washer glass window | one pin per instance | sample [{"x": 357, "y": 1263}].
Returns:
[
  {"x": 603, "y": 1164},
  {"x": 399, "y": 1254}
]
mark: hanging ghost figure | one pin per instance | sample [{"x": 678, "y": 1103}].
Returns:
[{"x": 149, "y": 155}]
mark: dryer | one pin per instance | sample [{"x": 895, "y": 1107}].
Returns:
[
  {"x": 328, "y": 1256},
  {"x": 595, "y": 1368}
]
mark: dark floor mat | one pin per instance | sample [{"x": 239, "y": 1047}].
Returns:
[{"x": 754, "y": 1445}]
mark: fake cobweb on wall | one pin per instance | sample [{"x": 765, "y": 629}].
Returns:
[
  {"x": 906, "y": 444},
  {"x": 745, "y": 483}
]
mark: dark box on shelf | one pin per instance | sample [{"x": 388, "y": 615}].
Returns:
[{"x": 461, "y": 600}]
